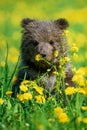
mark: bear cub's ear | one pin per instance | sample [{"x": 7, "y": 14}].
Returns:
[
  {"x": 26, "y": 21},
  {"x": 62, "y": 23}
]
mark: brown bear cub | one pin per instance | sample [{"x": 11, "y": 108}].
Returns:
[{"x": 44, "y": 38}]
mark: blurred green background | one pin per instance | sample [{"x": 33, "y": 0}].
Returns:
[{"x": 13, "y": 11}]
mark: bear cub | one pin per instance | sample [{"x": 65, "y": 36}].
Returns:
[{"x": 43, "y": 38}]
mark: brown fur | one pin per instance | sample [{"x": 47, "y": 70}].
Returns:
[{"x": 42, "y": 37}]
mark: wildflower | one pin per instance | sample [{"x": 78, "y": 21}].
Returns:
[
  {"x": 75, "y": 49},
  {"x": 20, "y": 97},
  {"x": 1, "y": 101},
  {"x": 81, "y": 90},
  {"x": 75, "y": 57},
  {"x": 66, "y": 59},
  {"x": 39, "y": 89},
  {"x": 9, "y": 92},
  {"x": 23, "y": 88},
  {"x": 55, "y": 72},
  {"x": 14, "y": 79},
  {"x": 74, "y": 70},
  {"x": 84, "y": 108},
  {"x": 38, "y": 57},
  {"x": 40, "y": 99},
  {"x": 58, "y": 110},
  {"x": 27, "y": 96},
  {"x": 85, "y": 89},
  {"x": 70, "y": 90},
  {"x": 79, "y": 119},
  {"x": 78, "y": 78},
  {"x": 25, "y": 82},
  {"x": 56, "y": 53},
  {"x": 63, "y": 118},
  {"x": 66, "y": 32},
  {"x": 2, "y": 64},
  {"x": 61, "y": 61},
  {"x": 84, "y": 120}
]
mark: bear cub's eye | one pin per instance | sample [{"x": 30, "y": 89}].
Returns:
[
  {"x": 34, "y": 42},
  {"x": 51, "y": 42}
]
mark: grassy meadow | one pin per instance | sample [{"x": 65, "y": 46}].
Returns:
[{"x": 32, "y": 109}]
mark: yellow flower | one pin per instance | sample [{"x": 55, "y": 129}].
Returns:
[
  {"x": 70, "y": 90},
  {"x": 39, "y": 89},
  {"x": 79, "y": 119},
  {"x": 75, "y": 57},
  {"x": 66, "y": 59},
  {"x": 58, "y": 110},
  {"x": 62, "y": 61},
  {"x": 74, "y": 48},
  {"x": 9, "y": 92},
  {"x": 1, "y": 101},
  {"x": 78, "y": 78},
  {"x": 55, "y": 72},
  {"x": 81, "y": 90},
  {"x": 56, "y": 53},
  {"x": 84, "y": 120},
  {"x": 38, "y": 57},
  {"x": 23, "y": 88},
  {"x": 84, "y": 108},
  {"x": 27, "y": 96},
  {"x": 40, "y": 99},
  {"x": 2, "y": 64},
  {"x": 20, "y": 97},
  {"x": 66, "y": 32},
  {"x": 14, "y": 79},
  {"x": 25, "y": 82},
  {"x": 63, "y": 118}
]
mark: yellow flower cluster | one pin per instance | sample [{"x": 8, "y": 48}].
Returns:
[
  {"x": 23, "y": 88},
  {"x": 30, "y": 90},
  {"x": 64, "y": 60},
  {"x": 72, "y": 90},
  {"x": 40, "y": 99},
  {"x": 39, "y": 89},
  {"x": 24, "y": 97},
  {"x": 79, "y": 77},
  {"x": 81, "y": 119},
  {"x": 62, "y": 116}
]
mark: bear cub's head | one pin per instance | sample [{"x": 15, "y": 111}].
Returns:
[{"x": 45, "y": 38}]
